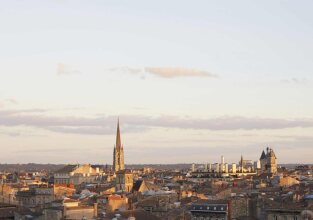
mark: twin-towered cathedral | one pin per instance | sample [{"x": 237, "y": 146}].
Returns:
[
  {"x": 118, "y": 152},
  {"x": 268, "y": 161}
]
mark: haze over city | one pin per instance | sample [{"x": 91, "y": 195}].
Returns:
[{"x": 189, "y": 81}]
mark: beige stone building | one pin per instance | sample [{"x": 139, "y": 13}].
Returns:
[
  {"x": 35, "y": 197},
  {"x": 80, "y": 212},
  {"x": 117, "y": 202},
  {"x": 61, "y": 191},
  {"x": 77, "y": 174},
  {"x": 71, "y": 210},
  {"x": 124, "y": 181},
  {"x": 284, "y": 214},
  {"x": 8, "y": 192}
]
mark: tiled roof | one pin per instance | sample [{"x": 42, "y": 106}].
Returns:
[
  {"x": 82, "y": 207},
  {"x": 66, "y": 169},
  {"x": 137, "y": 185},
  {"x": 209, "y": 207},
  {"x": 126, "y": 171},
  {"x": 138, "y": 214},
  {"x": 7, "y": 213}
]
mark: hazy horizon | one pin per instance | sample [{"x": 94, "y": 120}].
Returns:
[{"x": 190, "y": 81}]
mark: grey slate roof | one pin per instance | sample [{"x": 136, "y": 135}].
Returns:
[
  {"x": 263, "y": 156},
  {"x": 66, "y": 169}
]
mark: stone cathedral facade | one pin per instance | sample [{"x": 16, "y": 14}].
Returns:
[{"x": 118, "y": 152}]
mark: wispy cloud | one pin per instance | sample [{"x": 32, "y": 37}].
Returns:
[
  {"x": 172, "y": 72},
  {"x": 138, "y": 123},
  {"x": 65, "y": 69},
  {"x": 125, "y": 69},
  {"x": 9, "y": 101},
  {"x": 165, "y": 72},
  {"x": 295, "y": 80},
  {"x": 12, "y": 101}
]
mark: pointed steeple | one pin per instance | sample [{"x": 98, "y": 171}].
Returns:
[
  {"x": 118, "y": 135},
  {"x": 118, "y": 152},
  {"x": 263, "y": 156},
  {"x": 241, "y": 163}
]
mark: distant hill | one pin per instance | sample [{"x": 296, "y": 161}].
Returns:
[
  {"x": 34, "y": 167},
  {"x": 30, "y": 167},
  {"x": 159, "y": 166}
]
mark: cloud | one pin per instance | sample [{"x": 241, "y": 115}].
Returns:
[
  {"x": 172, "y": 72},
  {"x": 102, "y": 125},
  {"x": 220, "y": 123},
  {"x": 295, "y": 81},
  {"x": 64, "y": 69},
  {"x": 10, "y": 101},
  {"x": 164, "y": 72},
  {"x": 125, "y": 69}
]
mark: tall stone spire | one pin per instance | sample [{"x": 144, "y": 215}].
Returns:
[
  {"x": 118, "y": 135},
  {"x": 241, "y": 163},
  {"x": 118, "y": 152}
]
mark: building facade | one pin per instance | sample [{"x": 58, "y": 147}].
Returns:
[
  {"x": 124, "y": 181},
  {"x": 213, "y": 210},
  {"x": 35, "y": 197},
  {"x": 77, "y": 174}
]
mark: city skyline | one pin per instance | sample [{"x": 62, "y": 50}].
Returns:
[{"x": 188, "y": 83}]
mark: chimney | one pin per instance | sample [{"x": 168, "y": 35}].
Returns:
[
  {"x": 95, "y": 209},
  {"x": 229, "y": 210},
  {"x": 64, "y": 211}
]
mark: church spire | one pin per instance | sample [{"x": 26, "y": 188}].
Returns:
[
  {"x": 118, "y": 152},
  {"x": 118, "y": 135}
]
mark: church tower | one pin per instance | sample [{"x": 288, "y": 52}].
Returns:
[
  {"x": 263, "y": 161},
  {"x": 118, "y": 152},
  {"x": 268, "y": 161},
  {"x": 271, "y": 161}
]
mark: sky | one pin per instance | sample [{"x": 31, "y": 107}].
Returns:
[{"x": 189, "y": 80}]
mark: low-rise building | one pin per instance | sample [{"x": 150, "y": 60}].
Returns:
[
  {"x": 77, "y": 174},
  {"x": 117, "y": 202},
  {"x": 35, "y": 197},
  {"x": 209, "y": 210}
]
